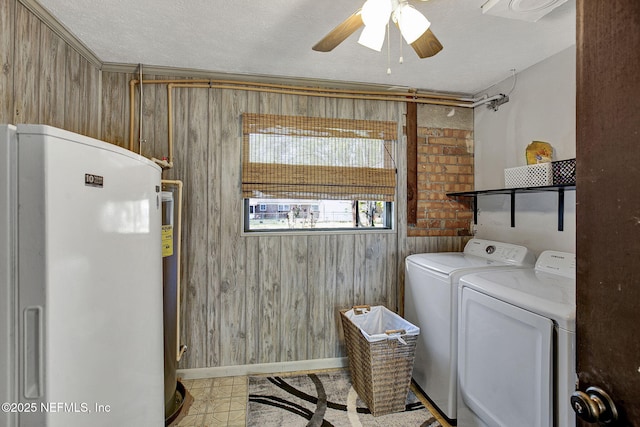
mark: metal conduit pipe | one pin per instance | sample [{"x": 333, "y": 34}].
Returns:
[{"x": 483, "y": 101}]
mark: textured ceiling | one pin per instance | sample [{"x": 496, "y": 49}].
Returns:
[{"x": 274, "y": 38}]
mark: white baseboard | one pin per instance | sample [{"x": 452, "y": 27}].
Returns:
[{"x": 263, "y": 368}]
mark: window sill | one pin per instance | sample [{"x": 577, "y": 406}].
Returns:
[{"x": 317, "y": 232}]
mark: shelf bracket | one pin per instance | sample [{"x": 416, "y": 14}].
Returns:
[
  {"x": 513, "y": 208},
  {"x": 561, "y": 209},
  {"x": 475, "y": 208}
]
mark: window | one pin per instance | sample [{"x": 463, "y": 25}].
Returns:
[
  {"x": 313, "y": 173},
  {"x": 318, "y": 214}
]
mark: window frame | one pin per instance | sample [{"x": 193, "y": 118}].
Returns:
[{"x": 389, "y": 227}]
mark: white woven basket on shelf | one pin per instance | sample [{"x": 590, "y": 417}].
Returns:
[{"x": 529, "y": 176}]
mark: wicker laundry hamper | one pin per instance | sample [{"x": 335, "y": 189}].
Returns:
[{"x": 381, "y": 349}]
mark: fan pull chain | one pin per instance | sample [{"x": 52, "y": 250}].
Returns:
[{"x": 401, "y": 60}]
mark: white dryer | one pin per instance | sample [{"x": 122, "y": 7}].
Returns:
[
  {"x": 430, "y": 302},
  {"x": 516, "y": 349}
]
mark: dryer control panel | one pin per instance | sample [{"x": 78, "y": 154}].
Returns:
[
  {"x": 560, "y": 263},
  {"x": 499, "y": 251}
]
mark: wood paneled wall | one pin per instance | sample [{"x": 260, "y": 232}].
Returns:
[
  {"x": 260, "y": 298},
  {"x": 245, "y": 299},
  {"x": 42, "y": 78}
]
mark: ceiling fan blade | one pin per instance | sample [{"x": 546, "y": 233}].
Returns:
[
  {"x": 427, "y": 45},
  {"x": 340, "y": 33}
]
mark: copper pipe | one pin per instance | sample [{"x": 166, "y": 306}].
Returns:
[
  {"x": 179, "y": 348},
  {"x": 415, "y": 97},
  {"x": 410, "y": 96},
  {"x": 183, "y": 84},
  {"x": 141, "y": 118},
  {"x": 132, "y": 113},
  {"x": 170, "y": 124},
  {"x": 320, "y": 94}
]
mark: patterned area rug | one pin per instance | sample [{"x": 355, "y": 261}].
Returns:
[{"x": 322, "y": 400}]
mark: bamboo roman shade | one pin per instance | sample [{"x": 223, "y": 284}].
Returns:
[{"x": 292, "y": 157}]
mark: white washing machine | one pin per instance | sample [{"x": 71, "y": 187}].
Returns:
[
  {"x": 516, "y": 345},
  {"x": 431, "y": 289}
]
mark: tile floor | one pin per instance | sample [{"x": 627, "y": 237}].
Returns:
[
  {"x": 217, "y": 402},
  {"x": 222, "y": 402}
]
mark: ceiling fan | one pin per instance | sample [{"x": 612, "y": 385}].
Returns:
[{"x": 375, "y": 15}]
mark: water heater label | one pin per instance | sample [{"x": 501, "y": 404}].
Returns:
[
  {"x": 93, "y": 180},
  {"x": 167, "y": 240}
]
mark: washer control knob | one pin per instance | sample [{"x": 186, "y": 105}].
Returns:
[
  {"x": 490, "y": 249},
  {"x": 594, "y": 406}
]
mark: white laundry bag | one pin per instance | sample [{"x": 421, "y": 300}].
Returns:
[{"x": 378, "y": 323}]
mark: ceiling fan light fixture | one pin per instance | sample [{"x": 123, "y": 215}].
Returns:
[
  {"x": 376, "y": 12},
  {"x": 373, "y": 37},
  {"x": 412, "y": 23},
  {"x": 414, "y": 27}
]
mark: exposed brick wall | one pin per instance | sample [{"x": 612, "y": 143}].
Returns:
[{"x": 445, "y": 164}]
